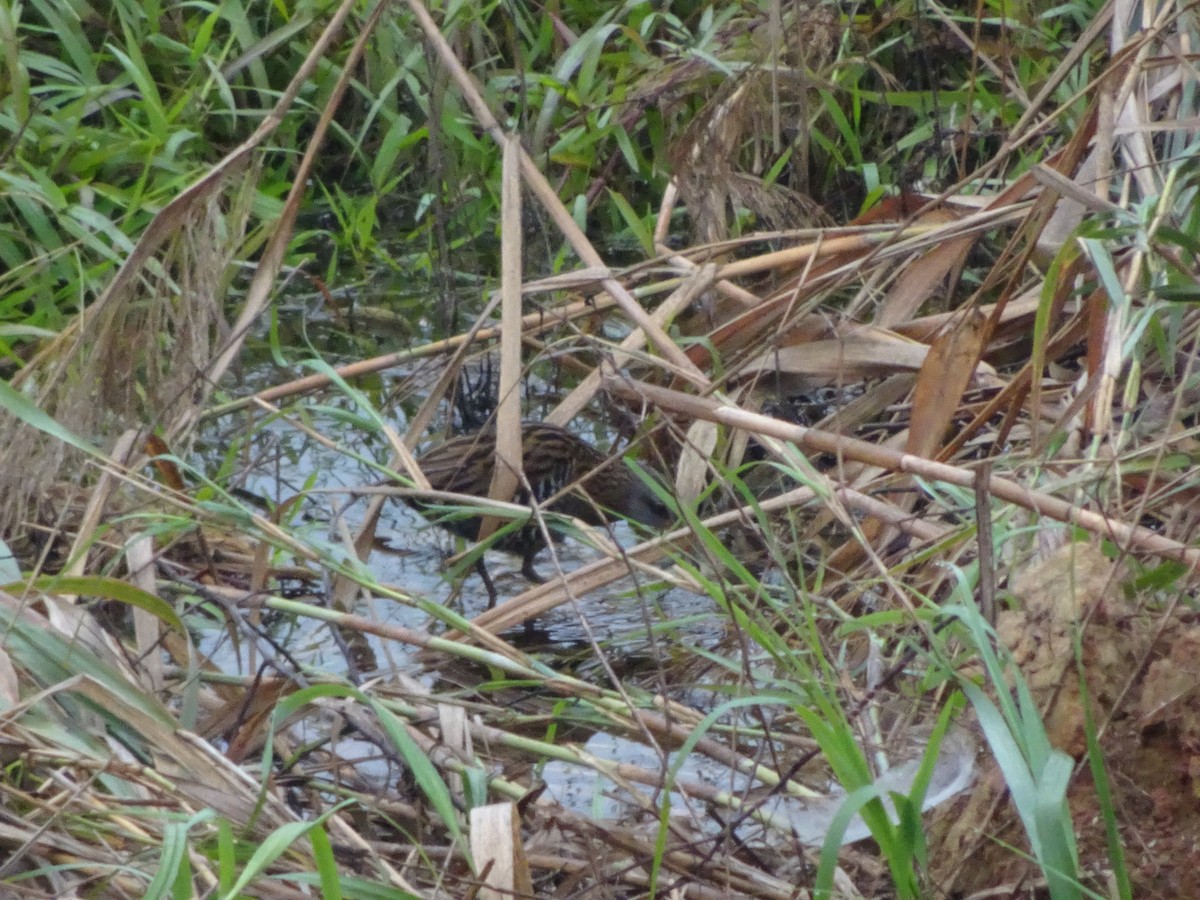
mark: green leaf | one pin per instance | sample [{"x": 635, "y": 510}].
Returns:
[
  {"x": 640, "y": 229},
  {"x": 19, "y": 406},
  {"x": 424, "y": 772},
  {"x": 101, "y": 586}
]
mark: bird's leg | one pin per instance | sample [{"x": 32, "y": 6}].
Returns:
[
  {"x": 527, "y": 568},
  {"x": 481, "y": 568}
]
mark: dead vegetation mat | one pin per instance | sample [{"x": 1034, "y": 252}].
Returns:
[{"x": 981, "y": 380}]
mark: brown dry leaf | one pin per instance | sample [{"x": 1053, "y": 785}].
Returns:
[
  {"x": 943, "y": 379},
  {"x": 748, "y": 328},
  {"x": 243, "y": 722},
  {"x": 167, "y": 470},
  {"x": 926, "y": 275},
  {"x": 861, "y": 355},
  {"x": 692, "y": 474},
  {"x": 1072, "y": 206},
  {"x": 1014, "y": 319},
  {"x": 944, "y": 376}
]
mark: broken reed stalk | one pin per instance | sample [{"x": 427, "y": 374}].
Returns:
[{"x": 1126, "y": 536}]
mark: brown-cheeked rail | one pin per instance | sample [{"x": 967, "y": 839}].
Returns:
[{"x": 577, "y": 479}]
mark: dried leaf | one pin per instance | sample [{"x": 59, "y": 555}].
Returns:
[
  {"x": 693, "y": 461},
  {"x": 943, "y": 379}
]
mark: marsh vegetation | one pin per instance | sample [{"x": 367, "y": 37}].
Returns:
[{"x": 883, "y": 317}]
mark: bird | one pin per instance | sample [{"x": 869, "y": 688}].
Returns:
[{"x": 559, "y": 467}]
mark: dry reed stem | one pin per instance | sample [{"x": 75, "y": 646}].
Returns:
[
  {"x": 532, "y": 323},
  {"x": 1127, "y": 537},
  {"x": 507, "y": 475},
  {"x": 271, "y": 261},
  {"x": 545, "y": 194}
]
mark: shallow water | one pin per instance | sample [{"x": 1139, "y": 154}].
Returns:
[
  {"x": 639, "y": 627},
  {"x": 277, "y": 460}
]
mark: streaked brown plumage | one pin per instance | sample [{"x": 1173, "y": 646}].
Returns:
[{"x": 553, "y": 459}]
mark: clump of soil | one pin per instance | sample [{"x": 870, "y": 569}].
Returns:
[{"x": 1142, "y": 670}]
